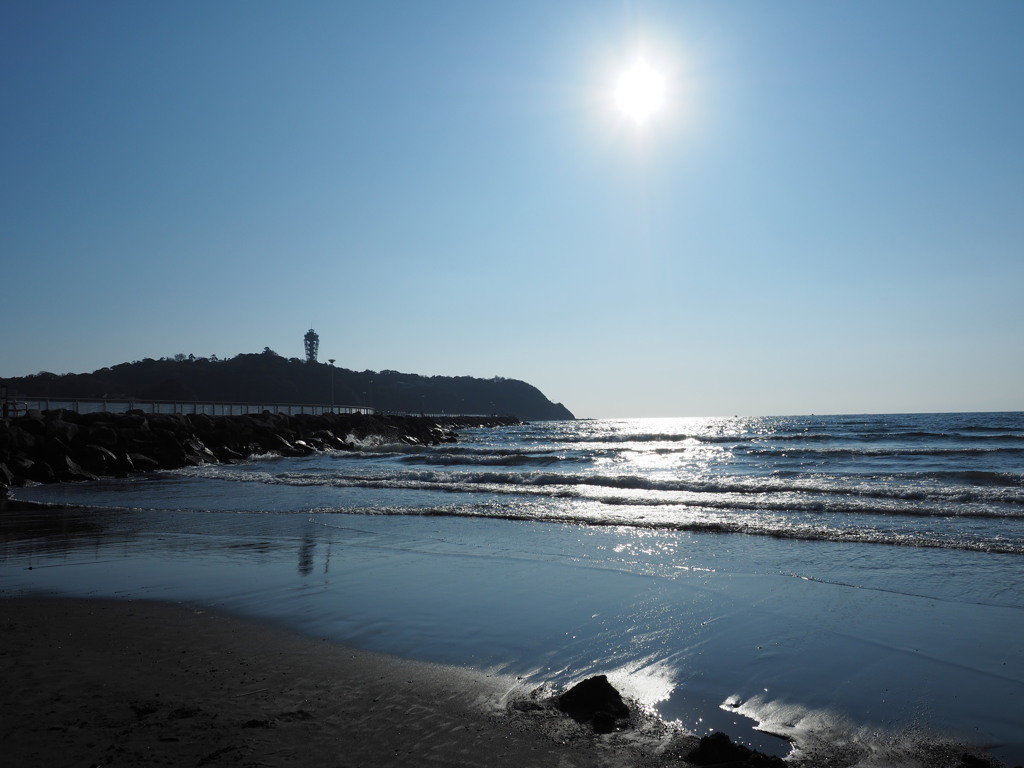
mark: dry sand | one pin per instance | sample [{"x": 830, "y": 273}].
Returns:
[{"x": 105, "y": 683}]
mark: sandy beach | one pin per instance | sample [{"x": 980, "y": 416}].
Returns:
[{"x": 97, "y": 683}]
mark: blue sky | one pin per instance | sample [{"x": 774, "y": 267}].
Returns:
[{"x": 827, "y": 216}]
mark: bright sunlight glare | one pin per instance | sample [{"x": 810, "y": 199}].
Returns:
[{"x": 640, "y": 92}]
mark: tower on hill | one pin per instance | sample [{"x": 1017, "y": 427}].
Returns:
[{"x": 312, "y": 345}]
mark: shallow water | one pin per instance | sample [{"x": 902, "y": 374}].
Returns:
[{"x": 824, "y": 638}]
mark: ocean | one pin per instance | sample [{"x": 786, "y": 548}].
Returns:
[{"x": 847, "y": 590}]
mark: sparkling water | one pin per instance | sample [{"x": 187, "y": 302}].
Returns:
[{"x": 837, "y": 580}]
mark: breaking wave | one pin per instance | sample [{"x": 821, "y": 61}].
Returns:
[{"x": 952, "y": 481}]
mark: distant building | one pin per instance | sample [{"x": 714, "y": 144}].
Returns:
[{"x": 312, "y": 345}]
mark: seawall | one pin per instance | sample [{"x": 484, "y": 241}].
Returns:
[{"x": 62, "y": 446}]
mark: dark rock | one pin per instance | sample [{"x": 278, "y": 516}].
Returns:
[
  {"x": 718, "y": 750},
  {"x": 76, "y": 472},
  {"x": 7, "y": 440},
  {"x": 54, "y": 452},
  {"x": 972, "y": 761},
  {"x": 594, "y": 701},
  {"x": 603, "y": 722},
  {"x": 226, "y": 455},
  {"x": 165, "y": 450},
  {"x": 280, "y": 443},
  {"x": 65, "y": 431},
  {"x": 20, "y": 465},
  {"x": 142, "y": 463},
  {"x": 200, "y": 421},
  {"x": 38, "y": 446},
  {"x": 196, "y": 450},
  {"x": 97, "y": 459},
  {"x": 24, "y": 439},
  {"x": 33, "y": 416},
  {"x": 103, "y": 434},
  {"x": 303, "y": 447},
  {"x": 41, "y": 472}
]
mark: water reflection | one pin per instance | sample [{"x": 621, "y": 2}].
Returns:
[
  {"x": 38, "y": 536},
  {"x": 28, "y": 531},
  {"x": 719, "y": 614},
  {"x": 306, "y": 552}
]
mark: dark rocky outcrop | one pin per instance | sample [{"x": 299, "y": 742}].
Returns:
[
  {"x": 595, "y": 701},
  {"x": 61, "y": 446},
  {"x": 974, "y": 761},
  {"x": 720, "y": 751}
]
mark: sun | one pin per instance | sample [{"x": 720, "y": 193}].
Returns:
[{"x": 640, "y": 92}]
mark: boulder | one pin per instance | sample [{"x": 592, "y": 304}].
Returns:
[
  {"x": 20, "y": 464},
  {"x": 227, "y": 455},
  {"x": 595, "y": 701},
  {"x": 195, "y": 448},
  {"x": 200, "y": 421},
  {"x": 76, "y": 472},
  {"x": 41, "y": 472},
  {"x": 65, "y": 431},
  {"x": 304, "y": 448},
  {"x": 142, "y": 463},
  {"x": 24, "y": 439},
  {"x": 97, "y": 459},
  {"x": 103, "y": 434},
  {"x": 165, "y": 449},
  {"x": 973, "y": 761},
  {"x": 718, "y": 750}
]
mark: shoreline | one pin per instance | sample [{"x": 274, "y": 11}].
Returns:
[
  {"x": 106, "y": 682},
  {"x": 190, "y": 626},
  {"x": 100, "y": 682}
]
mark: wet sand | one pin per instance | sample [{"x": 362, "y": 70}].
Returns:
[{"x": 110, "y": 683}]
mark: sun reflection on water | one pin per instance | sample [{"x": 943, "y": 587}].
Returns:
[{"x": 646, "y": 681}]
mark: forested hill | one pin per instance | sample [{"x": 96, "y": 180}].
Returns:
[{"x": 268, "y": 377}]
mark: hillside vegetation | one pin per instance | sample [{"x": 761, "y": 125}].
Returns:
[{"x": 267, "y": 377}]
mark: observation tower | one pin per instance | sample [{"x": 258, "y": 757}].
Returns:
[{"x": 312, "y": 345}]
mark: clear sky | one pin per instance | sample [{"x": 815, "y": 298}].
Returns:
[{"x": 825, "y": 215}]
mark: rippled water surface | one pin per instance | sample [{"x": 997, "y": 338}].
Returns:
[{"x": 836, "y": 579}]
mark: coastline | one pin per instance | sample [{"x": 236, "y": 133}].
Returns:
[{"x": 106, "y": 682}]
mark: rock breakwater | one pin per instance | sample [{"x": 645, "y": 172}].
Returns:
[{"x": 62, "y": 446}]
